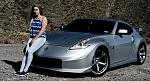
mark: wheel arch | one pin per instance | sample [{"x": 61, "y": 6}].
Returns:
[
  {"x": 137, "y": 45},
  {"x": 104, "y": 47},
  {"x": 142, "y": 42}
]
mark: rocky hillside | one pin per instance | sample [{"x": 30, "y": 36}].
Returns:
[{"x": 15, "y": 14}]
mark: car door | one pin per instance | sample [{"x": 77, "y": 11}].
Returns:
[{"x": 123, "y": 39}]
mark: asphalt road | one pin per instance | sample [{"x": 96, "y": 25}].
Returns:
[{"x": 11, "y": 55}]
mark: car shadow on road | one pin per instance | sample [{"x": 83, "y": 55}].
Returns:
[
  {"x": 46, "y": 72},
  {"x": 15, "y": 65}
]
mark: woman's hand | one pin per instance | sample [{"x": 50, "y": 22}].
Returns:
[{"x": 33, "y": 40}]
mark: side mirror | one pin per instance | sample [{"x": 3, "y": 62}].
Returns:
[{"x": 122, "y": 31}]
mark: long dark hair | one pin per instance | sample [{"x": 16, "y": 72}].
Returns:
[{"x": 32, "y": 15}]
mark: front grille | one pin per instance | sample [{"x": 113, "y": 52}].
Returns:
[{"x": 47, "y": 62}]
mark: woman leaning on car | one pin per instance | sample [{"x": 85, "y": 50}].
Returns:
[{"x": 37, "y": 38}]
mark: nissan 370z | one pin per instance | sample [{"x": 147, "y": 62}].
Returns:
[{"x": 91, "y": 45}]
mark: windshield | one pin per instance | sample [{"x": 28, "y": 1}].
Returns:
[{"x": 90, "y": 26}]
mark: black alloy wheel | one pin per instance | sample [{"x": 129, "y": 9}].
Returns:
[
  {"x": 141, "y": 54},
  {"x": 100, "y": 62}
]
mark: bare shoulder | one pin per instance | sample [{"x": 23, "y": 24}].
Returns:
[
  {"x": 43, "y": 17},
  {"x": 44, "y": 20}
]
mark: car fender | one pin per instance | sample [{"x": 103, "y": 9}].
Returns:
[{"x": 100, "y": 43}]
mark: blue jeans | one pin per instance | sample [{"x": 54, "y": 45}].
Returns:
[{"x": 28, "y": 56}]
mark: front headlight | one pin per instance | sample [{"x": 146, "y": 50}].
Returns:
[{"x": 80, "y": 45}]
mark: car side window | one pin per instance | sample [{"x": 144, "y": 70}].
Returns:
[{"x": 124, "y": 27}]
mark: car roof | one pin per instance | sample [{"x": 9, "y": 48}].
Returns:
[{"x": 91, "y": 19}]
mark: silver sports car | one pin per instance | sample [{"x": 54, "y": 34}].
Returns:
[{"x": 91, "y": 45}]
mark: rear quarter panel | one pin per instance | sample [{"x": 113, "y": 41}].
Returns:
[{"x": 138, "y": 39}]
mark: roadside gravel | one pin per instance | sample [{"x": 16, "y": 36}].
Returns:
[{"x": 11, "y": 55}]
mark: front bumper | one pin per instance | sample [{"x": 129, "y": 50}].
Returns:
[{"x": 61, "y": 59}]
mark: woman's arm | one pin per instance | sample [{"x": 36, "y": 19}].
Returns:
[
  {"x": 44, "y": 25},
  {"x": 28, "y": 28}
]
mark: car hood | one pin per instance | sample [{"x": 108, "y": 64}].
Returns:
[{"x": 66, "y": 39}]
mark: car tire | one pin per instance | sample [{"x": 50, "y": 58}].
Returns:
[
  {"x": 141, "y": 54},
  {"x": 100, "y": 62}
]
